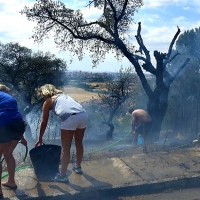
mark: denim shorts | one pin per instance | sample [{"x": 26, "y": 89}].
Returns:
[{"x": 12, "y": 131}]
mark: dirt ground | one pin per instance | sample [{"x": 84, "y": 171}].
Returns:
[{"x": 131, "y": 149}]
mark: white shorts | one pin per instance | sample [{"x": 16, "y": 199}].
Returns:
[{"x": 75, "y": 121}]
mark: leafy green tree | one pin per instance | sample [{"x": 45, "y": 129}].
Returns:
[
  {"x": 24, "y": 70},
  {"x": 108, "y": 34},
  {"x": 185, "y": 91},
  {"x": 188, "y": 43}
]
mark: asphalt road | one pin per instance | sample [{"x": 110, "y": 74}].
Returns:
[{"x": 182, "y": 194}]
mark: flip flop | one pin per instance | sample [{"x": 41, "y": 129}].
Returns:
[{"x": 10, "y": 187}]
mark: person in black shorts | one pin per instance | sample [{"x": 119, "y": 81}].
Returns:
[{"x": 12, "y": 128}]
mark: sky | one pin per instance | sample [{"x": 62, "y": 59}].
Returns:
[{"x": 159, "y": 19}]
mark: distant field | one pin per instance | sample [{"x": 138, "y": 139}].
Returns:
[
  {"x": 79, "y": 94},
  {"x": 100, "y": 84}
]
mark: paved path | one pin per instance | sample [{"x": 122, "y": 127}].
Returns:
[{"x": 124, "y": 173}]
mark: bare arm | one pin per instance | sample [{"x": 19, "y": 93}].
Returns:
[
  {"x": 134, "y": 121},
  {"x": 45, "y": 116},
  {"x": 23, "y": 141}
]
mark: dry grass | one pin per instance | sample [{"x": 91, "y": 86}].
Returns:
[
  {"x": 79, "y": 94},
  {"x": 100, "y": 84}
]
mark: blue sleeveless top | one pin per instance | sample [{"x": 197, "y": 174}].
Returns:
[
  {"x": 64, "y": 106},
  {"x": 8, "y": 109}
]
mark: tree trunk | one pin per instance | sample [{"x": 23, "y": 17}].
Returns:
[
  {"x": 157, "y": 107},
  {"x": 109, "y": 133}
]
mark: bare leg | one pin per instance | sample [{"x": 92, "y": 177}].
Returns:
[
  {"x": 0, "y": 179},
  {"x": 79, "y": 134},
  {"x": 66, "y": 138},
  {"x": 135, "y": 138},
  {"x": 10, "y": 161},
  {"x": 2, "y": 149},
  {"x": 145, "y": 139}
]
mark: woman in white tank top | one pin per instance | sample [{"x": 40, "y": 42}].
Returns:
[{"x": 73, "y": 124}]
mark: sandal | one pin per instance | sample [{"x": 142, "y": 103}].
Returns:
[{"x": 10, "y": 187}]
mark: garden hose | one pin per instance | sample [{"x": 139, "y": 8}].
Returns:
[
  {"x": 26, "y": 153},
  {"x": 107, "y": 145}
]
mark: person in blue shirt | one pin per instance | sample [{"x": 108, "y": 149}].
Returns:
[
  {"x": 73, "y": 124},
  {"x": 12, "y": 128}
]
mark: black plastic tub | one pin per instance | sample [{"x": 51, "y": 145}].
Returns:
[{"x": 45, "y": 160}]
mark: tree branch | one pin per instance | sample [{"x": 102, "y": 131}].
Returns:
[
  {"x": 147, "y": 61},
  {"x": 77, "y": 36},
  {"x": 172, "y": 58},
  {"x": 172, "y": 44},
  {"x": 123, "y": 10},
  {"x": 146, "y": 66},
  {"x": 142, "y": 47}
]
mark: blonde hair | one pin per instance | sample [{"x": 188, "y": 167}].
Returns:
[
  {"x": 48, "y": 90},
  {"x": 4, "y": 88}
]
